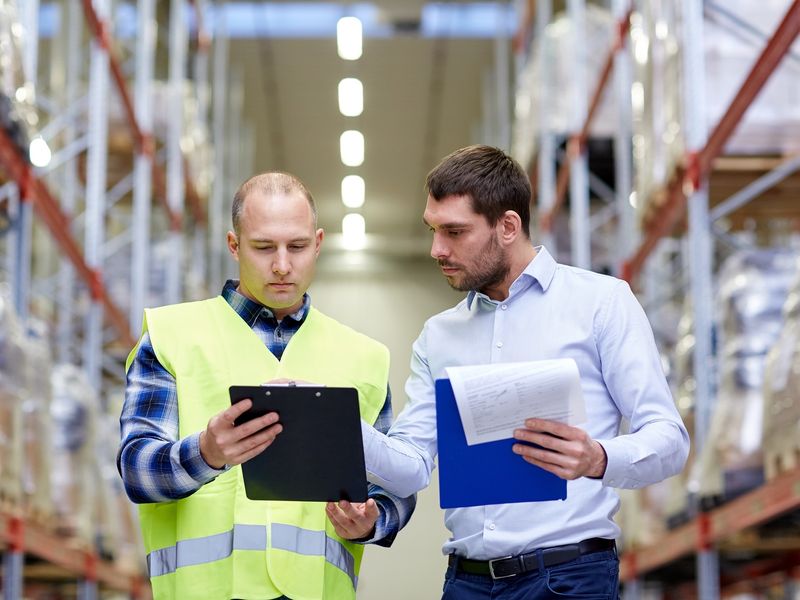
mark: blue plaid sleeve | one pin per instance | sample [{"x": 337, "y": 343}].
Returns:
[
  {"x": 394, "y": 511},
  {"x": 154, "y": 464}
]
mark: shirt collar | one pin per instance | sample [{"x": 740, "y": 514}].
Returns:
[
  {"x": 249, "y": 310},
  {"x": 541, "y": 269}
]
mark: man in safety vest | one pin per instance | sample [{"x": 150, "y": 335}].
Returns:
[{"x": 180, "y": 447}]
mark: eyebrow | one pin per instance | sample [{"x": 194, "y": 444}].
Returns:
[
  {"x": 455, "y": 225},
  {"x": 269, "y": 241}
]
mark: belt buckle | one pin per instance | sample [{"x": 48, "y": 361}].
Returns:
[{"x": 491, "y": 568}]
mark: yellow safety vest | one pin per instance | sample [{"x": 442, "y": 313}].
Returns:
[{"x": 217, "y": 544}]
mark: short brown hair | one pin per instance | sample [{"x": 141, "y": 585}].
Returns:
[
  {"x": 270, "y": 183},
  {"x": 494, "y": 182}
]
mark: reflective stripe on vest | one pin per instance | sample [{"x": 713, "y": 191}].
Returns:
[{"x": 211, "y": 548}]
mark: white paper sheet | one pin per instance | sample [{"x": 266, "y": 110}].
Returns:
[{"x": 494, "y": 400}]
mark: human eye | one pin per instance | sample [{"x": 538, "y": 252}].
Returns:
[{"x": 298, "y": 247}]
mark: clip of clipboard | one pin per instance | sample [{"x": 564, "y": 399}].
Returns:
[
  {"x": 487, "y": 473},
  {"x": 318, "y": 457}
]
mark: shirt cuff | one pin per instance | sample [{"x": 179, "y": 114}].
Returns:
[
  {"x": 617, "y": 461},
  {"x": 194, "y": 463},
  {"x": 384, "y": 534}
]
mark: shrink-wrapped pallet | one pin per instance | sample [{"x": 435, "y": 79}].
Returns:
[
  {"x": 781, "y": 430},
  {"x": 73, "y": 475},
  {"x": 36, "y": 417},
  {"x": 771, "y": 126},
  {"x": 753, "y": 286},
  {"x": 12, "y": 388},
  {"x": 676, "y": 506},
  {"x": 557, "y": 56}
]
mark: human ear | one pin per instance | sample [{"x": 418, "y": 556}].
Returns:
[
  {"x": 233, "y": 245},
  {"x": 510, "y": 226},
  {"x": 318, "y": 237}
]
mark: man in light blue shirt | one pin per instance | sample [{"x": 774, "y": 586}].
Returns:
[{"x": 521, "y": 305}]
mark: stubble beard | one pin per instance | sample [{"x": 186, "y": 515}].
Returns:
[{"x": 490, "y": 269}]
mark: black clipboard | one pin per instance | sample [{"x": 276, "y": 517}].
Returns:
[{"x": 319, "y": 455}]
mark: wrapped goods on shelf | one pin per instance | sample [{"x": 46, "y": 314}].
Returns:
[
  {"x": 782, "y": 392},
  {"x": 753, "y": 287},
  {"x": 731, "y": 44},
  {"x": 18, "y": 116},
  {"x": 683, "y": 385},
  {"x": 73, "y": 475},
  {"x": 558, "y": 54},
  {"x": 656, "y": 99},
  {"x": 195, "y": 137},
  {"x": 108, "y": 526},
  {"x": 642, "y": 515},
  {"x": 772, "y": 124},
  {"x": 196, "y": 142},
  {"x": 35, "y": 407},
  {"x": 161, "y": 253},
  {"x": 13, "y": 368}
]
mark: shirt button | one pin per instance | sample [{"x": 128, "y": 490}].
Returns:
[
  {"x": 492, "y": 526},
  {"x": 499, "y": 344},
  {"x": 504, "y": 306}
]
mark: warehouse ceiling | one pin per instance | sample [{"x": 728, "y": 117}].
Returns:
[{"x": 422, "y": 99}]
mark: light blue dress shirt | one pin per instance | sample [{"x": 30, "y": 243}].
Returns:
[{"x": 552, "y": 311}]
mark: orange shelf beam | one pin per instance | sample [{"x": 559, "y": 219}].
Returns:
[
  {"x": 771, "y": 500},
  {"x": 23, "y": 536},
  {"x": 696, "y": 167}
]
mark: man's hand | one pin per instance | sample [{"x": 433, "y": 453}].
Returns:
[
  {"x": 222, "y": 443},
  {"x": 565, "y": 451},
  {"x": 353, "y": 521}
]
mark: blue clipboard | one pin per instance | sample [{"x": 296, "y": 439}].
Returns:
[{"x": 487, "y": 473}]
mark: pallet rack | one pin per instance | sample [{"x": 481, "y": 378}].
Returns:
[
  {"x": 78, "y": 125},
  {"x": 687, "y": 204},
  {"x": 20, "y": 537}
]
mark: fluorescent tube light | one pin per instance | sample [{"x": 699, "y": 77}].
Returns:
[
  {"x": 348, "y": 38},
  {"x": 351, "y": 146},
  {"x": 351, "y": 97},
  {"x": 354, "y": 235},
  {"x": 353, "y": 189}
]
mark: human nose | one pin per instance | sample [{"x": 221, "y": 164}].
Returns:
[
  {"x": 281, "y": 264},
  {"x": 439, "y": 250}
]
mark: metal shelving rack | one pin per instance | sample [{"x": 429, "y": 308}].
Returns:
[
  {"x": 77, "y": 123},
  {"x": 687, "y": 198},
  {"x": 688, "y": 193},
  {"x": 20, "y": 537},
  {"x": 573, "y": 174}
]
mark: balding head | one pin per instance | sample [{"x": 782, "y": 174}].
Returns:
[{"x": 272, "y": 183}]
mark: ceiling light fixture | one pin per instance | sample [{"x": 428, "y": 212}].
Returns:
[
  {"x": 353, "y": 191},
  {"x": 348, "y": 38},
  {"x": 351, "y": 97},
  {"x": 351, "y": 146},
  {"x": 39, "y": 152},
  {"x": 354, "y": 235}
]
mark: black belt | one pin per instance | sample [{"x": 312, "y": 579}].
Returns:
[{"x": 510, "y": 566}]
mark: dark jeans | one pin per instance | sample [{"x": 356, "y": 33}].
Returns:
[{"x": 590, "y": 577}]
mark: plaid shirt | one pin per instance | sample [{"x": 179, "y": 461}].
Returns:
[{"x": 158, "y": 467}]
